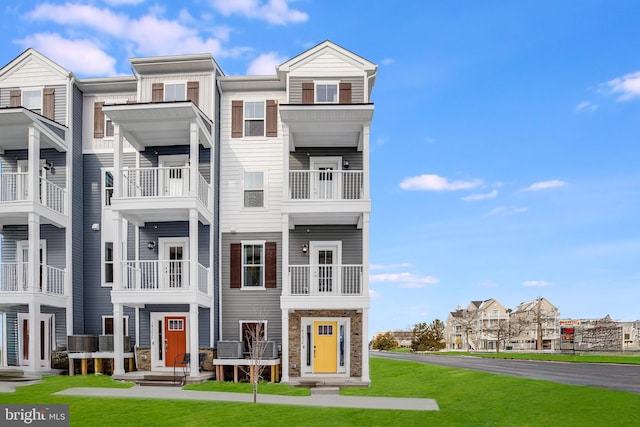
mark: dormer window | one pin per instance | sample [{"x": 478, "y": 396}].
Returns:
[
  {"x": 326, "y": 92},
  {"x": 32, "y": 99},
  {"x": 175, "y": 92}
]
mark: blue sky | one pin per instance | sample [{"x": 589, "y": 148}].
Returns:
[{"x": 505, "y": 146}]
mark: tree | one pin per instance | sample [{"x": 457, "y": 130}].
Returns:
[
  {"x": 384, "y": 341},
  {"x": 254, "y": 336},
  {"x": 504, "y": 329},
  {"x": 428, "y": 337}
]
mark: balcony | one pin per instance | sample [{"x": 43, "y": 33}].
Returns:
[
  {"x": 326, "y": 185},
  {"x": 326, "y": 280},
  {"x": 163, "y": 276},
  {"x": 13, "y": 279},
  {"x": 15, "y": 200},
  {"x": 163, "y": 194}
]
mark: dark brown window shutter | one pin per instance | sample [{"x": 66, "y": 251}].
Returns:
[
  {"x": 345, "y": 93},
  {"x": 236, "y": 119},
  {"x": 307, "y": 93},
  {"x": 15, "y": 98},
  {"x": 193, "y": 92},
  {"x": 157, "y": 92},
  {"x": 98, "y": 120},
  {"x": 271, "y": 266},
  {"x": 272, "y": 117},
  {"x": 236, "y": 265},
  {"x": 49, "y": 103}
]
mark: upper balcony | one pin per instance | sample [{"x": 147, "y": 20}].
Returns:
[
  {"x": 15, "y": 287},
  {"x": 16, "y": 201}
]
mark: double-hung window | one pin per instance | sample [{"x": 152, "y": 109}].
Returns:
[
  {"x": 254, "y": 189},
  {"x": 326, "y": 92},
  {"x": 175, "y": 92},
  {"x": 254, "y": 118},
  {"x": 108, "y": 263},
  {"x": 32, "y": 99},
  {"x": 253, "y": 265}
]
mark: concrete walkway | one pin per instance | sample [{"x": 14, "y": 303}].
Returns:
[
  {"x": 325, "y": 400},
  {"x": 10, "y": 386}
]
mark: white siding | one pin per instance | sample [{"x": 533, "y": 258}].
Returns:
[
  {"x": 327, "y": 64},
  {"x": 33, "y": 72},
  {"x": 89, "y": 143},
  {"x": 250, "y": 154}
]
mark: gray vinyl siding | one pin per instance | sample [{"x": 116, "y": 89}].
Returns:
[
  {"x": 300, "y": 160},
  {"x": 145, "y": 321},
  {"x": 152, "y": 231},
  {"x": 60, "y": 325},
  {"x": 58, "y": 175},
  {"x": 60, "y": 110},
  {"x": 357, "y": 87},
  {"x": 149, "y": 157},
  {"x": 349, "y": 235},
  {"x": 77, "y": 230},
  {"x": 97, "y": 299},
  {"x": 242, "y": 304},
  {"x": 5, "y": 97},
  {"x": 54, "y": 237},
  {"x": 12, "y": 337}
]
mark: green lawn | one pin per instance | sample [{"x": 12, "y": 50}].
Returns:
[
  {"x": 464, "y": 397},
  {"x": 632, "y": 358}
]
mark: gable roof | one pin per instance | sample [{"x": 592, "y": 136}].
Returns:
[
  {"x": 319, "y": 49},
  {"x": 29, "y": 53}
]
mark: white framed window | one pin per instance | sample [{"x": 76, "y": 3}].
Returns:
[
  {"x": 107, "y": 187},
  {"x": 494, "y": 313},
  {"x": 108, "y": 128},
  {"x": 175, "y": 91},
  {"x": 108, "y": 263},
  {"x": 326, "y": 92},
  {"x": 253, "y": 255},
  {"x": 254, "y": 118},
  {"x": 107, "y": 325},
  {"x": 32, "y": 99},
  {"x": 252, "y": 330},
  {"x": 253, "y": 194}
]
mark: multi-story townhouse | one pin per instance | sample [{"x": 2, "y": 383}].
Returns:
[
  {"x": 538, "y": 326},
  {"x": 487, "y": 324},
  {"x": 295, "y": 209},
  {"x": 179, "y": 207},
  {"x": 41, "y": 292},
  {"x": 457, "y": 328}
]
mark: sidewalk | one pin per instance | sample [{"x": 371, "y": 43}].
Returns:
[{"x": 325, "y": 400}]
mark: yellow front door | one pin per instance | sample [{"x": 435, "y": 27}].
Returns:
[{"x": 325, "y": 347}]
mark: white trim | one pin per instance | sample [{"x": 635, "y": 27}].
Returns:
[
  {"x": 265, "y": 174},
  {"x": 307, "y": 371},
  {"x": 3, "y": 361},
  {"x": 244, "y": 243},
  {"x": 264, "y": 118},
  {"x": 265, "y": 327},
  {"x": 156, "y": 364},
  {"x": 125, "y": 318},
  {"x": 326, "y": 83},
  {"x": 32, "y": 89},
  {"x": 163, "y": 245},
  {"x": 173, "y": 82},
  {"x": 50, "y": 328},
  {"x": 21, "y": 245}
]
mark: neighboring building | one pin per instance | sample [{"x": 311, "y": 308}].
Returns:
[
  {"x": 537, "y": 322},
  {"x": 180, "y": 207},
  {"x": 602, "y": 334},
  {"x": 484, "y": 319},
  {"x": 403, "y": 337},
  {"x": 456, "y": 330}
]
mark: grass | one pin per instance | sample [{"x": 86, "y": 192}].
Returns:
[
  {"x": 464, "y": 397},
  {"x": 631, "y": 359}
]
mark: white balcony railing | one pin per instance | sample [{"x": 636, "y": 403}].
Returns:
[
  {"x": 162, "y": 275},
  {"x": 326, "y": 185},
  {"x": 14, "y": 187},
  {"x": 14, "y": 278},
  {"x": 326, "y": 280},
  {"x": 163, "y": 182}
]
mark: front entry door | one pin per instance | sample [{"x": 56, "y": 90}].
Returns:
[
  {"x": 174, "y": 175},
  {"x": 43, "y": 349},
  {"x": 325, "y": 258},
  {"x": 23, "y": 265},
  {"x": 326, "y": 182},
  {"x": 175, "y": 338},
  {"x": 174, "y": 262},
  {"x": 325, "y": 347}
]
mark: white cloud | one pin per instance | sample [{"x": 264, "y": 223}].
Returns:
[
  {"x": 265, "y": 64},
  {"x": 387, "y": 61},
  {"x": 586, "y": 106},
  {"x": 545, "y": 185},
  {"x": 84, "y": 57},
  {"x": 482, "y": 196},
  {"x": 405, "y": 280},
  {"x": 437, "y": 183},
  {"x": 628, "y": 86},
  {"x": 273, "y": 11},
  {"x": 536, "y": 283},
  {"x": 506, "y": 210},
  {"x": 373, "y": 294}
]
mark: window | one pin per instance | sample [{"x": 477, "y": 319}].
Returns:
[
  {"x": 254, "y": 118},
  {"x": 494, "y": 313},
  {"x": 175, "y": 92},
  {"x": 253, "y": 265},
  {"x": 326, "y": 93},
  {"x": 108, "y": 128},
  {"x": 254, "y": 189},
  {"x": 32, "y": 99},
  {"x": 107, "y": 186},
  {"x": 107, "y": 325},
  {"x": 175, "y": 325},
  {"x": 252, "y": 331},
  {"x": 108, "y": 263}
]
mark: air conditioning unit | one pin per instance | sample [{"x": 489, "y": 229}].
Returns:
[
  {"x": 268, "y": 350},
  {"x": 230, "y": 349},
  {"x": 105, "y": 343}
]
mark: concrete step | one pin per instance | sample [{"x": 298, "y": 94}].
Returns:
[
  {"x": 157, "y": 383},
  {"x": 324, "y": 390}
]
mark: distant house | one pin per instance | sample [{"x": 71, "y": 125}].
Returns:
[{"x": 538, "y": 321}]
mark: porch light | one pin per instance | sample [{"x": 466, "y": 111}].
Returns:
[
  {"x": 345, "y": 164},
  {"x": 48, "y": 165},
  {"x": 305, "y": 248},
  {"x": 151, "y": 245}
]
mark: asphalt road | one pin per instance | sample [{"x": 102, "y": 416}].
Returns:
[{"x": 603, "y": 375}]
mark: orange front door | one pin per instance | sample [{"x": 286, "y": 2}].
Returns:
[{"x": 175, "y": 338}]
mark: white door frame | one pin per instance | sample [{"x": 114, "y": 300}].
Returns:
[
  {"x": 155, "y": 336},
  {"x": 317, "y": 245},
  {"x": 21, "y": 246},
  {"x": 335, "y": 162},
  {"x": 48, "y": 339},
  {"x": 306, "y": 346},
  {"x": 23, "y": 167},
  {"x": 163, "y": 257},
  {"x": 166, "y": 186}
]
